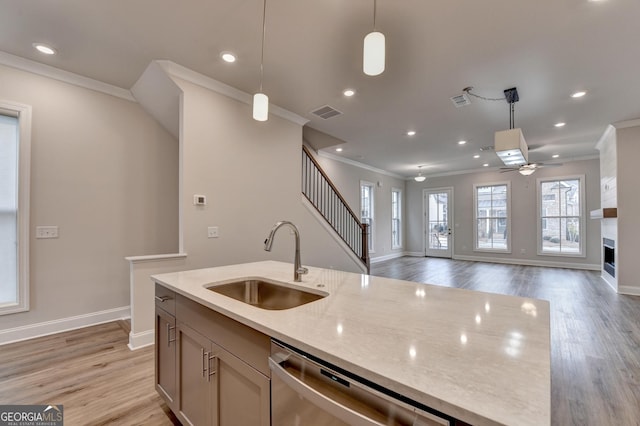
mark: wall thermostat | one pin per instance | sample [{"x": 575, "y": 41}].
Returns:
[{"x": 199, "y": 200}]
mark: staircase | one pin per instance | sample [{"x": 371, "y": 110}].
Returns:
[{"x": 326, "y": 199}]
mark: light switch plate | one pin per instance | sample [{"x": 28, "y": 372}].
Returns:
[
  {"x": 46, "y": 232},
  {"x": 212, "y": 232}
]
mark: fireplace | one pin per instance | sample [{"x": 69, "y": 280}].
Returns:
[{"x": 609, "y": 258}]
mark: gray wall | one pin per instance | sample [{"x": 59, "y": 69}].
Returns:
[
  {"x": 347, "y": 179},
  {"x": 628, "y": 151},
  {"x": 523, "y": 207},
  {"x": 250, "y": 172},
  {"x": 106, "y": 174}
]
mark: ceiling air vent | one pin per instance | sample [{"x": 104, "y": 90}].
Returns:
[
  {"x": 326, "y": 112},
  {"x": 461, "y": 100}
]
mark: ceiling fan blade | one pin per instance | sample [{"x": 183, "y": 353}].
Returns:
[
  {"x": 509, "y": 169},
  {"x": 549, "y": 165}
]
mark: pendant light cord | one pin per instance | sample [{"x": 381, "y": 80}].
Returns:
[
  {"x": 512, "y": 115},
  {"x": 264, "y": 21},
  {"x": 375, "y": 2}
]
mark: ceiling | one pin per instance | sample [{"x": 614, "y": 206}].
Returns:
[{"x": 548, "y": 49}]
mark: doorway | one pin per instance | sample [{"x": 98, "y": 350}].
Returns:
[{"x": 438, "y": 211}]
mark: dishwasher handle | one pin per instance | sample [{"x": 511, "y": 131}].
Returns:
[{"x": 332, "y": 407}]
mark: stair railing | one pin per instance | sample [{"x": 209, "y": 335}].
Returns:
[{"x": 325, "y": 197}]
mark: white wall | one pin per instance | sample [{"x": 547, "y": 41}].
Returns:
[
  {"x": 628, "y": 151},
  {"x": 250, "y": 173},
  {"x": 106, "y": 174},
  {"x": 346, "y": 177},
  {"x": 523, "y": 205}
]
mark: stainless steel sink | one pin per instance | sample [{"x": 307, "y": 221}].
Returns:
[{"x": 266, "y": 295}]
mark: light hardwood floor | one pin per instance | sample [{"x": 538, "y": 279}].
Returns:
[
  {"x": 595, "y": 338},
  {"x": 90, "y": 371},
  {"x": 595, "y": 333}
]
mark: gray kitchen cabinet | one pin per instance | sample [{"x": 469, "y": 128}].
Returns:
[
  {"x": 165, "y": 362},
  {"x": 165, "y": 341},
  {"x": 197, "y": 395},
  {"x": 220, "y": 370}
]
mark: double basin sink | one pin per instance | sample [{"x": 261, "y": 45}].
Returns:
[{"x": 267, "y": 294}]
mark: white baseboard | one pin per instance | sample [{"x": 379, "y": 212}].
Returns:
[
  {"x": 386, "y": 257},
  {"x": 526, "y": 262},
  {"x": 141, "y": 340},
  {"x": 628, "y": 290},
  {"x": 46, "y": 328},
  {"x": 414, "y": 254}
]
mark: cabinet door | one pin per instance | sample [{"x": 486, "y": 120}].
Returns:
[
  {"x": 244, "y": 396},
  {"x": 165, "y": 368},
  {"x": 196, "y": 386}
]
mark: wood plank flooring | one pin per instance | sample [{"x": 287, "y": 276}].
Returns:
[
  {"x": 90, "y": 371},
  {"x": 595, "y": 333},
  {"x": 595, "y": 351}
]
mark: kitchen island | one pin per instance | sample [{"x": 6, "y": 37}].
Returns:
[{"x": 479, "y": 357}]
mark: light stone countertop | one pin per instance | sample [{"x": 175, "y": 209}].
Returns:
[{"x": 480, "y": 357}]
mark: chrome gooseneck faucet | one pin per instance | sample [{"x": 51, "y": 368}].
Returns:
[{"x": 298, "y": 270}]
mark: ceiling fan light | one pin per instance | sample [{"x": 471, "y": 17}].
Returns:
[
  {"x": 260, "y": 107},
  {"x": 526, "y": 171},
  {"x": 373, "y": 57}
]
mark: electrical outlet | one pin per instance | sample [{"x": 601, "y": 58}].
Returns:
[
  {"x": 46, "y": 232},
  {"x": 212, "y": 232},
  {"x": 523, "y": 251}
]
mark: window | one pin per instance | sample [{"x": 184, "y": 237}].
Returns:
[
  {"x": 560, "y": 214},
  {"x": 366, "y": 209},
  {"x": 492, "y": 217},
  {"x": 396, "y": 221},
  {"x": 15, "y": 126}
]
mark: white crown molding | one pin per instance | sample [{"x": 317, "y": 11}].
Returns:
[
  {"x": 495, "y": 169},
  {"x": 64, "y": 76},
  {"x": 605, "y": 135},
  {"x": 358, "y": 164},
  {"x": 627, "y": 123},
  {"x": 194, "y": 77}
]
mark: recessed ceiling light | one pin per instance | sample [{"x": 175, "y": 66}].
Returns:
[
  {"x": 43, "y": 48},
  {"x": 476, "y": 156},
  {"x": 485, "y": 165},
  {"x": 411, "y": 133},
  {"x": 228, "y": 57},
  {"x": 461, "y": 142},
  {"x": 561, "y": 124},
  {"x": 338, "y": 149},
  {"x": 555, "y": 156},
  {"x": 349, "y": 92},
  {"x": 578, "y": 94}
]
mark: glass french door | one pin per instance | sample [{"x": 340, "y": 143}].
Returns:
[{"x": 437, "y": 222}]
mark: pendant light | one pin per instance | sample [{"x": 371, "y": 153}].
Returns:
[
  {"x": 420, "y": 178},
  {"x": 373, "y": 56},
  {"x": 260, "y": 100}
]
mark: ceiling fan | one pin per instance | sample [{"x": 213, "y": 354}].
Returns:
[{"x": 527, "y": 169}]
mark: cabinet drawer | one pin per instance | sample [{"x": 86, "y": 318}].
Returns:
[
  {"x": 242, "y": 341},
  {"x": 165, "y": 299}
]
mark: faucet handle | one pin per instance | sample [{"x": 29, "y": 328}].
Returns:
[{"x": 302, "y": 270}]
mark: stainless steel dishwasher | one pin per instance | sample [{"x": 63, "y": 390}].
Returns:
[{"x": 306, "y": 391}]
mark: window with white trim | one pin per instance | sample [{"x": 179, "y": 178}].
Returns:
[
  {"x": 15, "y": 130},
  {"x": 366, "y": 209},
  {"x": 492, "y": 213},
  {"x": 561, "y": 216},
  {"x": 396, "y": 218}
]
